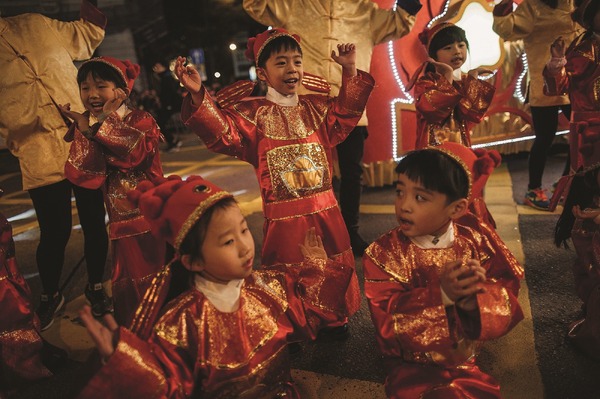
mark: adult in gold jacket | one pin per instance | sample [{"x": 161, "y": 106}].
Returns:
[{"x": 36, "y": 60}]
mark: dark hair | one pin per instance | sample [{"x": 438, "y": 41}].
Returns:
[
  {"x": 582, "y": 191},
  {"x": 100, "y": 70},
  {"x": 181, "y": 278},
  {"x": 436, "y": 171},
  {"x": 551, "y": 3},
  {"x": 447, "y": 36},
  {"x": 281, "y": 43},
  {"x": 590, "y": 13}
]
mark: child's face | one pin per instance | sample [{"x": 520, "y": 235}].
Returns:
[
  {"x": 420, "y": 211},
  {"x": 283, "y": 71},
  {"x": 454, "y": 54},
  {"x": 95, "y": 93},
  {"x": 228, "y": 249}
]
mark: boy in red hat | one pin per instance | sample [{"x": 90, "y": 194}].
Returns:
[
  {"x": 114, "y": 147},
  {"x": 288, "y": 139},
  {"x": 437, "y": 288},
  {"x": 225, "y": 333}
]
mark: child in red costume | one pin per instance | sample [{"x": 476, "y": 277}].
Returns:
[
  {"x": 225, "y": 333},
  {"x": 437, "y": 288},
  {"x": 115, "y": 147},
  {"x": 288, "y": 139},
  {"x": 447, "y": 101}
]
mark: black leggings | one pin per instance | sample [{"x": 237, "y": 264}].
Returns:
[
  {"x": 545, "y": 124},
  {"x": 52, "y": 204},
  {"x": 350, "y": 153}
]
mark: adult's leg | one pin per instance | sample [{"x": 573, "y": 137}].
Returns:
[
  {"x": 545, "y": 122},
  {"x": 162, "y": 119},
  {"x": 566, "y": 109},
  {"x": 350, "y": 153},
  {"x": 90, "y": 207},
  {"x": 52, "y": 204}
]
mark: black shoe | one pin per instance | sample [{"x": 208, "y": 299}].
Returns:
[
  {"x": 49, "y": 307},
  {"x": 53, "y": 357},
  {"x": 340, "y": 333},
  {"x": 100, "y": 302},
  {"x": 358, "y": 244},
  {"x": 294, "y": 348}
]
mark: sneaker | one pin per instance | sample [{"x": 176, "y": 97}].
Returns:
[
  {"x": 536, "y": 198},
  {"x": 49, "y": 307},
  {"x": 328, "y": 334},
  {"x": 174, "y": 146},
  {"x": 100, "y": 302}
]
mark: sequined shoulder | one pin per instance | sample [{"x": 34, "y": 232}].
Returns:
[{"x": 389, "y": 253}]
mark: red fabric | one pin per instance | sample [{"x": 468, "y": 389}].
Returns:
[
  {"x": 456, "y": 106},
  {"x": 290, "y": 149},
  {"x": 430, "y": 348},
  {"x": 577, "y": 78},
  {"x": 20, "y": 342},
  {"x": 128, "y": 151},
  {"x": 198, "y": 351}
]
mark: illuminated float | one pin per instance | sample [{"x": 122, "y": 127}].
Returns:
[{"x": 391, "y": 111}]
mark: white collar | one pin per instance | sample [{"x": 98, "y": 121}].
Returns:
[
  {"x": 457, "y": 74},
  {"x": 224, "y": 297},
  {"x": 279, "y": 99},
  {"x": 445, "y": 240}
]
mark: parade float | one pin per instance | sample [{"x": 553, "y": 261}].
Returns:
[{"x": 391, "y": 111}]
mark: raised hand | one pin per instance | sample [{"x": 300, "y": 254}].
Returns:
[
  {"x": 346, "y": 57},
  {"x": 557, "y": 48},
  {"x": 103, "y": 336},
  {"x": 114, "y": 103},
  {"x": 82, "y": 120},
  {"x": 313, "y": 246},
  {"x": 188, "y": 75},
  {"x": 441, "y": 68}
]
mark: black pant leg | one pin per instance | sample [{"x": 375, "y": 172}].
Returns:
[
  {"x": 350, "y": 153},
  {"x": 545, "y": 123}
]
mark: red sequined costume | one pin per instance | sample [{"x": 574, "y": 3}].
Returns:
[
  {"x": 445, "y": 111},
  {"x": 290, "y": 150},
  {"x": 430, "y": 349},
  {"x": 197, "y": 351},
  {"x": 20, "y": 342},
  {"x": 579, "y": 78},
  {"x": 123, "y": 152}
]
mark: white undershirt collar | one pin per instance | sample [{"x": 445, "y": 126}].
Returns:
[
  {"x": 279, "y": 99},
  {"x": 224, "y": 297},
  {"x": 445, "y": 240}
]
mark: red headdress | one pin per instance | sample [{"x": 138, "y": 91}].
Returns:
[
  {"x": 126, "y": 69},
  {"x": 257, "y": 44}
]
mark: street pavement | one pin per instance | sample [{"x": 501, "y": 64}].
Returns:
[{"x": 534, "y": 361}]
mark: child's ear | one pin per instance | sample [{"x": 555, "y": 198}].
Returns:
[
  {"x": 458, "y": 208},
  {"x": 187, "y": 262},
  {"x": 260, "y": 74}
]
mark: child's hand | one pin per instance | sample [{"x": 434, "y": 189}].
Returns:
[
  {"x": 441, "y": 68},
  {"x": 113, "y": 104},
  {"x": 346, "y": 57},
  {"x": 479, "y": 71},
  {"x": 103, "y": 336},
  {"x": 460, "y": 280},
  {"x": 82, "y": 121},
  {"x": 557, "y": 48},
  {"x": 188, "y": 75},
  {"x": 589, "y": 213},
  {"x": 313, "y": 246}
]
